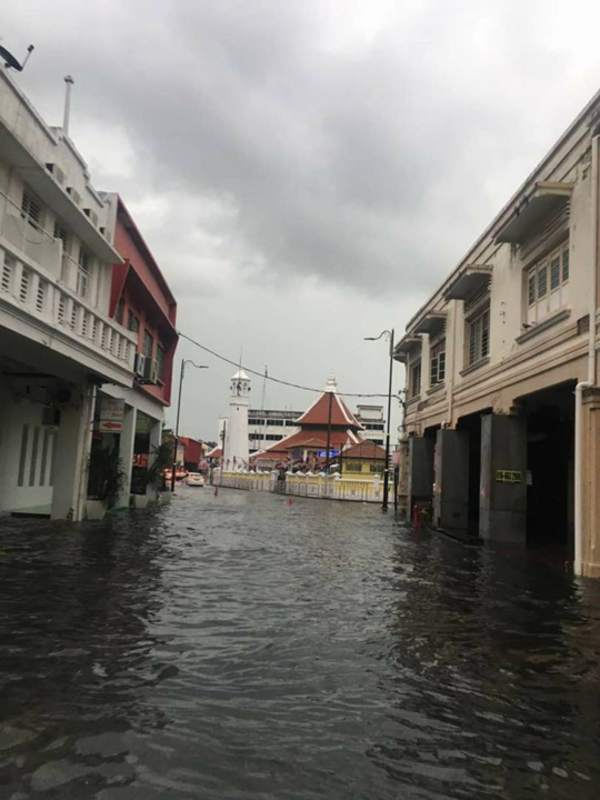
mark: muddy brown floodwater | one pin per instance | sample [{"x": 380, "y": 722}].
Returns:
[{"x": 239, "y": 647}]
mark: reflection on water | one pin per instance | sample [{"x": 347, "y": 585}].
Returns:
[{"x": 237, "y": 647}]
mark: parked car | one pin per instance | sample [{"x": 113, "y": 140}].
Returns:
[{"x": 195, "y": 479}]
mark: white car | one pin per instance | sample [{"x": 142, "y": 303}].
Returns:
[{"x": 195, "y": 479}]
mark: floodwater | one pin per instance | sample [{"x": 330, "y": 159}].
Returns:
[{"x": 241, "y": 647}]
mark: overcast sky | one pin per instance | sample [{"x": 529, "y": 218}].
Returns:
[{"x": 306, "y": 171}]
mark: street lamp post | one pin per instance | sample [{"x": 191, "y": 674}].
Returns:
[
  {"x": 184, "y": 362},
  {"x": 386, "y": 471}
]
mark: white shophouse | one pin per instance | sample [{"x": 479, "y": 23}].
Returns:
[{"x": 57, "y": 342}]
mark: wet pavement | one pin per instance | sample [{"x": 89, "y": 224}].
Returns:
[{"x": 239, "y": 647}]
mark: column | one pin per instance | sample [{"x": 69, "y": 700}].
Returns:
[
  {"x": 420, "y": 470},
  {"x": 503, "y": 486},
  {"x": 155, "y": 437},
  {"x": 590, "y": 444},
  {"x": 451, "y": 487},
  {"x": 126, "y": 443},
  {"x": 71, "y": 451}
]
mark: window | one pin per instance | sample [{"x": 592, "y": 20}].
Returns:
[
  {"x": 353, "y": 466},
  {"x": 414, "y": 383},
  {"x": 376, "y": 467},
  {"x": 275, "y": 422},
  {"x": 31, "y": 209},
  {"x": 253, "y": 421},
  {"x": 479, "y": 337},
  {"x": 160, "y": 358},
  {"x": 60, "y": 232},
  {"x": 437, "y": 363},
  {"x": 83, "y": 272},
  {"x": 148, "y": 344},
  {"x": 273, "y": 437},
  {"x": 547, "y": 284},
  {"x": 133, "y": 323},
  {"x": 120, "y": 310}
]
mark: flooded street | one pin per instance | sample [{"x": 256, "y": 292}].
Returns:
[{"x": 238, "y": 647}]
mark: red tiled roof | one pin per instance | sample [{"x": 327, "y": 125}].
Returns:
[
  {"x": 365, "y": 450},
  {"x": 318, "y": 413}
]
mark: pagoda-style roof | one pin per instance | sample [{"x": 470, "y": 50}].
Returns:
[{"x": 318, "y": 413}]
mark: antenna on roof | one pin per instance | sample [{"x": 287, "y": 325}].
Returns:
[
  {"x": 10, "y": 62},
  {"x": 264, "y": 390},
  {"x": 67, "y": 110}
]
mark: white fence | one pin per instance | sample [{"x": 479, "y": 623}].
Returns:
[{"x": 320, "y": 487}]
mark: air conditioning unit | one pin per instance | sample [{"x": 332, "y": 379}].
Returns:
[
  {"x": 51, "y": 417},
  {"x": 92, "y": 215},
  {"x": 74, "y": 194},
  {"x": 57, "y": 173},
  {"x": 139, "y": 366}
]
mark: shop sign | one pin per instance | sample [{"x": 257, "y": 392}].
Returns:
[
  {"x": 112, "y": 412},
  {"x": 509, "y": 476}
]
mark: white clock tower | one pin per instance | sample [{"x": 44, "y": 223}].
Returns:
[{"x": 236, "y": 454}]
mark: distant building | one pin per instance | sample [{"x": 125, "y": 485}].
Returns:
[
  {"x": 372, "y": 420},
  {"x": 267, "y": 427},
  {"x": 363, "y": 461}
]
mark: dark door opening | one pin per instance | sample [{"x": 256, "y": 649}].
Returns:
[
  {"x": 550, "y": 467},
  {"x": 472, "y": 424}
]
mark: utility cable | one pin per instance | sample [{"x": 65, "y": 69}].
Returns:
[{"x": 270, "y": 377}]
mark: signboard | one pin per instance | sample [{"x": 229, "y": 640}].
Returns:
[
  {"x": 323, "y": 453},
  {"x": 509, "y": 476},
  {"x": 112, "y": 412}
]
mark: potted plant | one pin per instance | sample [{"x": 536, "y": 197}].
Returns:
[{"x": 106, "y": 481}]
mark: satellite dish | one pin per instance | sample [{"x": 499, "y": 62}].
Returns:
[{"x": 10, "y": 62}]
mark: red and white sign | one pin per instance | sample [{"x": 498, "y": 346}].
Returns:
[{"x": 112, "y": 412}]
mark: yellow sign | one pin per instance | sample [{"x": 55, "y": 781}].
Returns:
[{"x": 509, "y": 476}]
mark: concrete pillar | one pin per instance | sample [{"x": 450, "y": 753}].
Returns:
[
  {"x": 71, "y": 450},
  {"x": 503, "y": 485},
  {"x": 451, "y": 487},
  {"x": 126, "y": 443},
  {"x": 590, "y": 444},
  {"x": 155, "y": 437},
  {"x": 420, "y": 470}
]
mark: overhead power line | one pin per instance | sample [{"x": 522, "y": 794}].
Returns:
[{"x": 270, "y": 377}]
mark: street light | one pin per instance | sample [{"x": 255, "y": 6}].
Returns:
[
  {"x": 184, "y": 362},
  {"x": 386, "y": 472}
]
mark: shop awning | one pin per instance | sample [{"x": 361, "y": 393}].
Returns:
[
  {"x": 546, "y": 200},
  {"x": 468, "y": 281}
]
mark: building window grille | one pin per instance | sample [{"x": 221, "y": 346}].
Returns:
[
  {"x": 7, "y": 274},
  {"x": 437, "y": 364},
  {"x": 120, "y": 310},
  {"x": 133, "y": 322},
  {"x": 60, "y": 232},
  {"x": 31, "y": 210},
  {"x": 148, "y": 344},
  {"x": 414, "y": 384},
  {"x": 40, "y": 300},
  {"x": 547, "y": 284},
  {"x": 479, "y": 337},
  {"x": 353, "y": 466},
  {"x": 83, "y": 272},
  {"x": 24, "y": 287},
  {"x": 160, "y": 359}
]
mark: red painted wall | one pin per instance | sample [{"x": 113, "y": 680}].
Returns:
[{"x": 144, "y": 291}]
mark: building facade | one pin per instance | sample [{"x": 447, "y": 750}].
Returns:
[
  {"x": 58, "y": 342},
  {"x": 502, "y": 375},
  {"x": 142, "y": 302},
  {"x": 372, "y": 420},
  {"x": 265, "y": 427}
]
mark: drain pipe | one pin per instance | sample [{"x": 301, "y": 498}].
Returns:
[{"x": 591, "y": 375}]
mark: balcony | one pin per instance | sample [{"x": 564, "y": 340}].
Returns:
[{"x": 32, "y": 292}]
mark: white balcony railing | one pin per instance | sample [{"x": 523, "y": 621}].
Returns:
[{"x": 34, "y": 289}]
